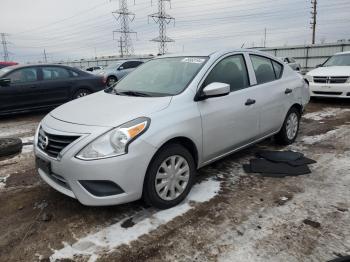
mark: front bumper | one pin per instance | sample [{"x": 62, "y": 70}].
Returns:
[
  {"x": 330, "y": 90},
  {"x": 65, "y": 175}
]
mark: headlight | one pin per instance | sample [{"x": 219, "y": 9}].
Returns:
[
  {"x": 309, "y": 78},
  {"x": 116, "y": 141}
]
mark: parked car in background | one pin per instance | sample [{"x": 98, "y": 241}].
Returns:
[
  {"x": 291, "y": 62},
  {"x": 147, "y": 135},
  {"x": 94, "y": 69},
  {"x": 6, "y": 64},
  {"x": 113, "y": 73},
  {"x": 332, "y": 78},
  {"x": 30, "y": 87}
]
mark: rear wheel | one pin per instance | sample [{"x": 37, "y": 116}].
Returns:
[
  {"x": 81, "y": 93},
  {"x": 290, "y": 128},
  {"x": 111, "y": 80},
  {"x": 170, "y": 177}
]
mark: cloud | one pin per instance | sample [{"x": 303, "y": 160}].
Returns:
[{"x": 79, "y": 28}]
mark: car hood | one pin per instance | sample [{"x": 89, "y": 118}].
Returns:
[
  {"x": 331, "y": 71},
  {"x": 108, "y": 110}
]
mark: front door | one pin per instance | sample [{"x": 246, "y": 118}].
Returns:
[
  {"x": 21, "y": 93},
  {"x": 231, "y": 121}
]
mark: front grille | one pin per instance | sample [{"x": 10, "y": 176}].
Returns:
[
  {"x": 331, "y": 79},
  {"x": 51, "y": 144},
  {"x": 327, "y": 93}
]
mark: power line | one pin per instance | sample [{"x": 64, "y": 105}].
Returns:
[
  {"x": 4, "y": 47},
  {"x": 162, "y": 18},
  {"x": 124, "y": 16},
  {"x": 314, "y": 17}
]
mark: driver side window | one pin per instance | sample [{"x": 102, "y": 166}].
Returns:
[
  {"x": 23, "y": 75},
  {"x": 231, "y": 70}
]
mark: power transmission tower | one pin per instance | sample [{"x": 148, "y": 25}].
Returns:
[
  {"x": 162, "y": 18},
  {"x": 314, "y": 18},
  {"x": 124, "y": 16},
  {"x": 4, "y": 46}
]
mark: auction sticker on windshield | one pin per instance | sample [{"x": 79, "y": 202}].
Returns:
[{"x": 193, "y": 60}]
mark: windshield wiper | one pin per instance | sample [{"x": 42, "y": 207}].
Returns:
[{"x": 133, "y": 93}]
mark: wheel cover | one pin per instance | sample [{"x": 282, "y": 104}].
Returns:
[
  {"x": 111, "y": 81},
  {"x": 172, "y": 177},
  {"x": 292, "y": 126},
  {"x": 82, "y": 94}
]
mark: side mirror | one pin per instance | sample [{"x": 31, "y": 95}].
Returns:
[
  {"x": 320, "y": 65},
  {"x": 120, "y": 68},
  {"x": 5, "y": 81},
  {"x": 213, "y": 90}
]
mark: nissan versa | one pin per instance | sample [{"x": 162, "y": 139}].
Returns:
[{"x": 146, "y": 136}]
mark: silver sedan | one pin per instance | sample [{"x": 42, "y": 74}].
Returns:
[{"x": 146, "y": 136}]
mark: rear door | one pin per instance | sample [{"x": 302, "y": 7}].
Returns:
[
  {"x": 56, "y": 84},
  {"x": 231, "y": 121},
  {"x": 270, "y": 91},
  {"x": 22, "y": 93}
]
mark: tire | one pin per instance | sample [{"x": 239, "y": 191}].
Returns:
[
  {"x": 160, "y": 199},
  {"x": 81, "y": 93},
  {"x": 111, "y": 80},
  {"x": 10, "y": 146},
  {"x": 285, "y": 138}
]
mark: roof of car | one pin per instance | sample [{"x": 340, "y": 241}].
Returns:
[
  {"x": 30, "y": 65},
  {"x": 343, "y": 53},
  {"x": 215, "y": 53}
]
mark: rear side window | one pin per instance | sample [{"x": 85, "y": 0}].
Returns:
[
  {"x": 54, "y": 73},
  {"x": 263, "y": 68},
  {"x": 231, "y": 70},
  {"x": 278, "y": 69}
]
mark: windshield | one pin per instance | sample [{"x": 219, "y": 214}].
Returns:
[
  {"x": 338, "y": 60},
  {"x": 4, "y": 70},
  {"x": 161, "y": 77}
]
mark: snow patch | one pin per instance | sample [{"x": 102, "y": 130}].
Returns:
[
  {"x": 3, "y": 181},
  {"x": 115, "y": 235},
  {"x": 310, "y": 140},
  {"x": 326, "y": 113}
]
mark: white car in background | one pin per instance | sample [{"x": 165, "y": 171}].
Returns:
[{"x": 331, "y": 79}]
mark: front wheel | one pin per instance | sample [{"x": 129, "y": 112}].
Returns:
[
  {"x": 111, "y": 80},
  {"x": 170, "y": 177},
  {"x": 290, "y": 128}
]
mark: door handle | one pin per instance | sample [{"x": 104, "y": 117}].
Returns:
[
  {"x": 250, "y": 102},
  {"x": 288, "y": 91}
]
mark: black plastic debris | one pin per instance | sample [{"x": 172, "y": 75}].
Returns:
[
  {"x": 341, "y": 259},
  {"x": 279, "y": 164}
]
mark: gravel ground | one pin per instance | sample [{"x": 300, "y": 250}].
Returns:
[{"x": 229, "y": 216}]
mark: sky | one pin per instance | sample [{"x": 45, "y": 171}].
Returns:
[{"x": 76, "y": 29}]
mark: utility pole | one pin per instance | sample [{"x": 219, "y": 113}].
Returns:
[
  {"x": 265, "y": 37},
  {"x": 314, "y": 18},
  {"x": 124, "y": 16},
  {"x": 4, "y": 47},
  {"x": 162, "y": 18},
  {"x": 45, "y": 57}
]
